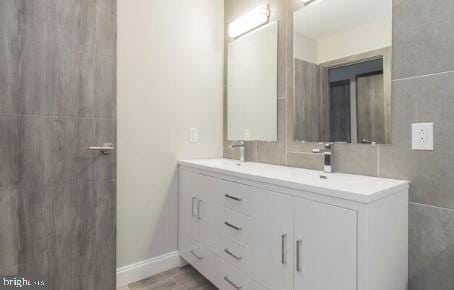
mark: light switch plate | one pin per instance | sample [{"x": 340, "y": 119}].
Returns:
[
  {"x": 423, "y": 136},
  {"x": 193, "y": 135}
]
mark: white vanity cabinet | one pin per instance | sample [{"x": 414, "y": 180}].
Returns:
[{"x": 256, "y": 226}]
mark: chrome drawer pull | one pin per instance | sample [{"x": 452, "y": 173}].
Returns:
[
  {"x": 232, "y": 226},
  {"x": 232, "y": 254},
  {"x": 226, "y": 278},
  {"x": 284, "y": 249},
  {"x": 193, "y": 202},
  {"x": 298, "y": 256},
  {"x": 233, "y": 197},
  {"x": 195, "y": 255}
]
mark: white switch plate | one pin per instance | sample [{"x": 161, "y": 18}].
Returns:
[
  {"x": 423, "y": 136},
  {"x": 193, "y": 135}
]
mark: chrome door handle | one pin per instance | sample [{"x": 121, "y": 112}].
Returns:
[
  {"x": 233, "y": 226},
  {"x": 195, "y": 255},
  {"x": 193, "y": 201},
  {"x": 298, "y": 255},
  {"x": 199, "y": 202},
  {"x": 284, "y": 249},
  {"x": 233, "y": 255},
  {"x": 233, "y": 197},
  {"x": 105, "y": 149},
  {"x": 226, "y": 278}
]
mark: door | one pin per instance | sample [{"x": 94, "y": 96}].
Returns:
[
  {"x": 325, "y": 246},
  {"x": 57, "y": 98}
]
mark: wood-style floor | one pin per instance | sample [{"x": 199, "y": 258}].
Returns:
[{"x": 185, "y": 278}]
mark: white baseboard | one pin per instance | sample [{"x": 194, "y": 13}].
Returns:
[{"x": 144, "y": 269}]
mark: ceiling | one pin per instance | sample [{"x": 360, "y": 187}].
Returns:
[{"x": 327, "y": 17}]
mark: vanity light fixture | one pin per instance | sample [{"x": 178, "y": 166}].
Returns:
[{"x": 251, "y": 20}]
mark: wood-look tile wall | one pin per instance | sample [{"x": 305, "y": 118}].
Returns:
[
  {"x": 422, "y": 91},
  {"x": 57, "y": 97}
]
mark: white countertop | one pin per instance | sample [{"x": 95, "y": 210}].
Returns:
[{"x": 346, "y": 186}]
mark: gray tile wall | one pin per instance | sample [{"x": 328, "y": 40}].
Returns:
[
  {"x": 57, "y": 97},
  {"x": 423, "y": 91}
]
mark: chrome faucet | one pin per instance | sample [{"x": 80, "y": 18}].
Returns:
[
  {"x": 242, "y": 146},
  {"x": 327, "y": 157}
]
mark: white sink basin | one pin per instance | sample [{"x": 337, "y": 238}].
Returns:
[{"x": 347, "y": 186}]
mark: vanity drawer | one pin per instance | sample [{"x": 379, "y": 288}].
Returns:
[
  {"x": 190, "y": 249},
  {"x": 237, "y": 226},
  {"x": 235, "y": 254},
  {"x": 239, "y": 197},
  {"x": 200, "y": 257},
  {"x": 232, "y": 279}
]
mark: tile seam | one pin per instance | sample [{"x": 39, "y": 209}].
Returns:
[
  {"x": 432, "y": 206},
  {"x": 423, "y": 76}
]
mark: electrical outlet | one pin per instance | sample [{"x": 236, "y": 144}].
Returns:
[
  {"x": 422, "y": 136},
  {"x": 193, "y": 135}
]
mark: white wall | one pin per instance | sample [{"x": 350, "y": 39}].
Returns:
[
  {"x": 362, "y": 39},
  {"x": 304, "y": 48},
  {"x": 170, "y": 78},
  {"x": 371, "y": 36}
]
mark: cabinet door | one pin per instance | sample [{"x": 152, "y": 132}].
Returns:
[
  {"x": 200, "y": 202},
  {"x": 189, "y": 204},
  {"x": 325, "y": 246},
  {"x": 271, "y": 250},
  {"x": 209, "y": 210}
]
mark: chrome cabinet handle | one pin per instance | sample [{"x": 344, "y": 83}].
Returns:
[
  {"x": 105, "y": 149},
  {"x": 226, "y": 278},
  {"x": 233, "y": 226},
  {"x": 195, "y": 255},
  {"x": 232, "y": 254},
  {"x": 199, "y": 202},
  {"x": 284, "y": 249},
  {"x": 193, "y": 202},
  {"x": 233, "y": 197},
  {"x": 298, "y": 255}
]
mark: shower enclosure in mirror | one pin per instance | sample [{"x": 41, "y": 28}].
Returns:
[{"x": 342, "y": 69}]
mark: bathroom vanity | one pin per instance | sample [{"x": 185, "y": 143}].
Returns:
[{"x": 256, "y": 226}]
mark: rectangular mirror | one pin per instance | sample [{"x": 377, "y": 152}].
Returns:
[
  {"x": 342, "y": 70},
  {"x": 252, "y": 86}
]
